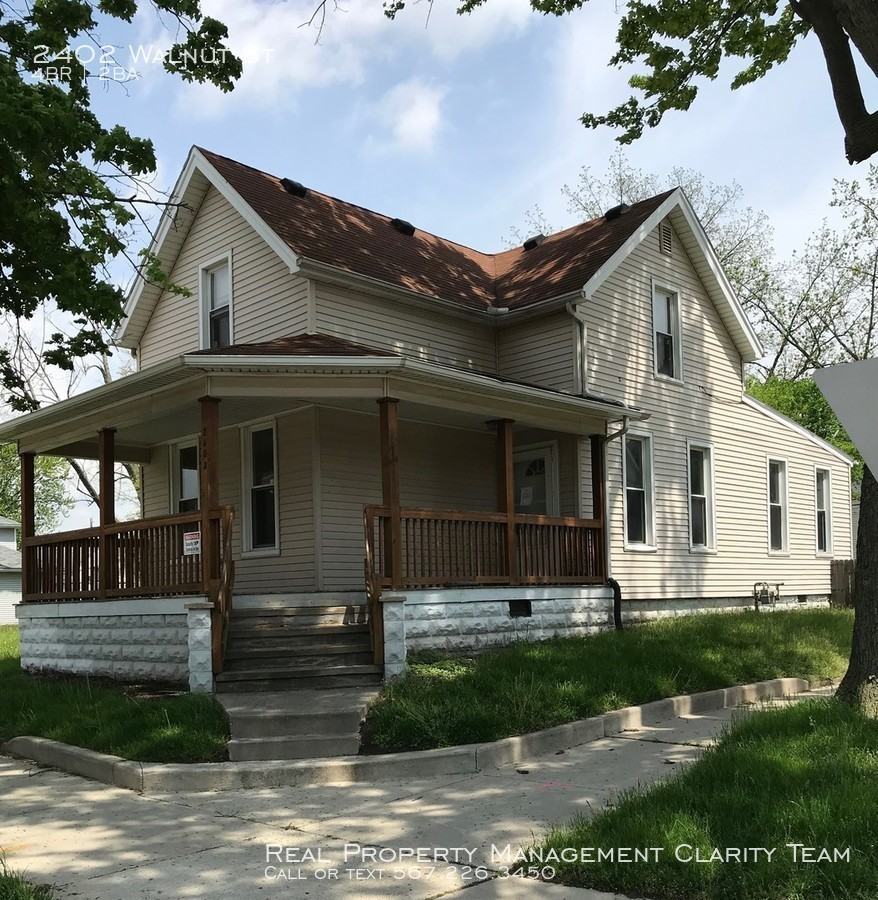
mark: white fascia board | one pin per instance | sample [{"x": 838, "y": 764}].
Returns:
[
  {"x": 752, "y": 349},
  {"x": 196, "y": 161},
  {"x": 795, "y": 426},
  {"x": 216, "y": 362}
]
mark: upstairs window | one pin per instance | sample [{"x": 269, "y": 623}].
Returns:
[
  {"x": 701, "y": 512},
  {"x": 823, "y": 509},
  {"x": 666, "y": 333},
  {"x": 639, "y": 519},
  {"x": 260, "y": 494},
  {"x": 778, "y": 536},
  {"x": 216, "y": 305}
]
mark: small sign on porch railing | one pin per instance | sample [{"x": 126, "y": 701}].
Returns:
[{"x": 191, "y": 543}]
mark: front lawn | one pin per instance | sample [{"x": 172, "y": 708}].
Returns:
[
  {"x": 529, "y": 686},
  {"x": 107, "y": 717},
  {"x": 807, "y": 775}
]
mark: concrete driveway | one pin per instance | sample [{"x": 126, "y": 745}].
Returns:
[{"x": 335, "y": 841}]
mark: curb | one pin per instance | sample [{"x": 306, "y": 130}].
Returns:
[{"x": 467, "y": 759}]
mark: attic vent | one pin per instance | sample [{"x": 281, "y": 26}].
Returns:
[
  {"x": 616, "y": 211},
  {"x": 403, "y": 227},
  {"x": 294, "y": 187},
  {"x": 666, "y": 241},
  {"x": 534, "y": 241}
]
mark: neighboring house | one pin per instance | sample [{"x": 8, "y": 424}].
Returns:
[
  {"x": 10, "y": 570},
  {"x": 495, "y": 434}
]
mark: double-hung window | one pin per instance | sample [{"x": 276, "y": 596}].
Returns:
[
  {"x": 778, "y": 537},
  {"x": 639, "y": 519},
  {"x": 260, "y": 489},
  {"x": 666, "y": 333},
  {"x": 216, "y": 305},
  {"x": 823, "y": 509},
  {"x": 702, "y": 521},
  {"x": 184, "y": 477}
]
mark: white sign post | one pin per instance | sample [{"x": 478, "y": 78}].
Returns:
[{"x": 191, "y": 543}]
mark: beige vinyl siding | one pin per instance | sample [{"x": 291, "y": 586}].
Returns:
[
  {"x": 440, "y": 468},
  {"x": 293, "y": 568},
  {"x": 404, "y": 328},
  {"x": 541, "y": 351},
  {"x": 706, "y": 407},
  {"x": 267, "y": 300}
]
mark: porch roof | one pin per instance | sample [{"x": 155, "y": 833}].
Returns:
[{"x": 263, "y": 379}]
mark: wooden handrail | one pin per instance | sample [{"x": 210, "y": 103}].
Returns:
[
  {"x": 463, "y": 516},
  {"x": 187, "y": 518}
]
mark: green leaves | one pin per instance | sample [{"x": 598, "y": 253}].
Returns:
[{"x": 69, "y": 186}]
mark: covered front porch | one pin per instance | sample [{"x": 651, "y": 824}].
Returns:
[{"x": 357, "y": 478}]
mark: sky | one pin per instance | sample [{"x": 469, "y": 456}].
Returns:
[{"x": 462, "y": 124}]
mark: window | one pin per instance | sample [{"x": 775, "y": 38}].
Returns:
[
  {"x": 216, "y": 304},
  {"x": 666, "y": 328},
  {"x": 823, "y": 507},
  {"x": 702, "y": 521},
  {"x": 536, "y": 480},
  {"x": 184, "y": 477},
  {"x": 777, "y": 506},
  {"x": 637, "y": 465},
  {"x": 260, "y": 493}
]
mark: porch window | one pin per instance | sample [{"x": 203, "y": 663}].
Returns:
[
  {"x": 260, "y": 494},
  {"x": 666, "y": 329},
  {"x": 777, "y": 506},
  {"x": 216, "y": 304},
  {"x": 637, "y": 474},
  {"x": 185, "y": 477},
  {"x": 701, "y": 511},
  {"x": 823, "y": 507}
]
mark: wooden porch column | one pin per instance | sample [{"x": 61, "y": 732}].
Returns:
[
  {"x": 28, "y": 518},
  {"x": 598, "y": 497},
  {"x": 389, "y": 423},
  {"x": 208, "y": 500},
  {"x": 106, "y": 502},
  {"x": 506, "y": 493}
]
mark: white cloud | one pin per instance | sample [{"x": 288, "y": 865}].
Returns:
[{"x": 410, "y": 116}]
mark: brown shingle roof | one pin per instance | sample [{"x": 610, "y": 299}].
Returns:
[
  {"x": 331, "y": 231},
  {"x": 297, "y": 345}
]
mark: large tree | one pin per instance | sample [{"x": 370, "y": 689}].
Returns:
[
  {"x": 71, "y": 186},
  {"x": 678, "y": 43}
]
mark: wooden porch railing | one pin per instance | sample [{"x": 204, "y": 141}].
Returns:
[
  {"x": 448, "y": 548},
  {"x": 143, "y": 558}
]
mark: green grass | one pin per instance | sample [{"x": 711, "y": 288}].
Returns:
[
  {"x": 807, "y": 774},
  {"x": 15, "y": 887},
  {"x": 529, "y": 686},
  {"x": 107, "y": 717}
]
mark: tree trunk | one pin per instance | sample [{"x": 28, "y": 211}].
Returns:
[
  {"x": 860, "y": 684},
  {"x": 859, "y": 18}
]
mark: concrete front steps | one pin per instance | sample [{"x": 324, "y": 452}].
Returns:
[{"x": 298, "y": 675}]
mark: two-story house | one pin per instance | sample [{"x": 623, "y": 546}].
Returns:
[{"x": 358, "y": 437}]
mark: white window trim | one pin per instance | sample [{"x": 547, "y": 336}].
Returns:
[
  {"x": 828, "y": 552},
  {"x": 547, "y": 450},
  {"x": 247, "y": 549},
  {"x": 651, "y": 545},
  {"x": 174, "y": 471},
  {"x": 697, "y": 444},
  {"x": 203, "y": 317},
  {"x": 660, "y": 285},
  {"x": 786, "y": 505}
]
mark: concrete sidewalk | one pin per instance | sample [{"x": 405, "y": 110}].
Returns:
[{"x": 102, "y": 843}]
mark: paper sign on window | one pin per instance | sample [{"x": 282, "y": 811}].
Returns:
[{"x": 191, "y": 543}]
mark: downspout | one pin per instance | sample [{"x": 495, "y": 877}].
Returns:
[{"x": 581, "y": 357}]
